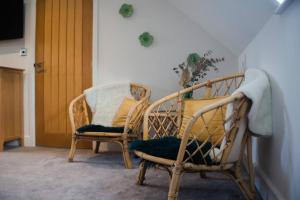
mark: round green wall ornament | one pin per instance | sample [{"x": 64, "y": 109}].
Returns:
[
  {"x": 146, "y": 39},
  {"x": 126, "y": 10}
]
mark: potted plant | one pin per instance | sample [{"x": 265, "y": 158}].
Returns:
[{"x": 196, "y": 68}]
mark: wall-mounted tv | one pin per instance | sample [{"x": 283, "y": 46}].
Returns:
[{"x": 11, "y": 19}]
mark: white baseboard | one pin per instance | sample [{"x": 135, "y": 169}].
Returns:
[
  {"x": 265, "y": 187},
  {"x": 29, "y": 141}
]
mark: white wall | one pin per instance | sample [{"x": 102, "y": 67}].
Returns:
[
  {"x": 9, "y": 57},
  {"x": 120, "y": 55},
  {"x": 276, "y": 50}
]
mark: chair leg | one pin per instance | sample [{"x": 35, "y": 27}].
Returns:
[
  {"x": 250, "y": 166},
  {"x": 169, "y": 173},
  {"x": 73, "y": 149},
  {"x": 126, "y": 155},
  {"x": 247, "y": 187},
  {"x": 175, "y": 183},
  {"x": 97, "y": 146},
  {"x": 142, "y": 173},
  {"x": 203, "y": 175},
  {"x": 21, "y": 142},
  {"x": 244, "y": 187}
]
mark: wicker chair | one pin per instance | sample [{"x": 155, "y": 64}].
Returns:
[
  {"x": 163, "y": 118},
  {"x": 79, "y": 116}
]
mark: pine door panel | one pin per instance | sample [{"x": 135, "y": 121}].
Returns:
[{"x": 63, "y": 54}]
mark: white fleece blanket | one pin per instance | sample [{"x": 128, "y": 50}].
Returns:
[
  {"x": 257, "y": 88},
  {"x": 105, "y": 100}
]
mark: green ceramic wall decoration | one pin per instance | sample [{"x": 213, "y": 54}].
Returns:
[
  {"x": 146, "y": 39},
  {"x": 126, "y": 10}
]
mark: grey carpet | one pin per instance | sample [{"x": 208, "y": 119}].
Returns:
[{"x": 44, "y": 174}]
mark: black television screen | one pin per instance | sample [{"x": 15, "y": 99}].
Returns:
[{"x": 11, "y": 19}]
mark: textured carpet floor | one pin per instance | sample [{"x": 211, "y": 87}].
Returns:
[{"x": 44, "y": 174}]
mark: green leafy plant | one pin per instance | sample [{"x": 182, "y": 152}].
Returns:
[
  {"x": 196, "y": 68},
  {"x": 193, "y": 59},
  {"x": 126, "y": 10},
  {"x": 146, "y": 39}
]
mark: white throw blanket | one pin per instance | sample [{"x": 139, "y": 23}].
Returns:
[
  {"x": 105, "y": 100},
  {"x": 257, "y": 88}
]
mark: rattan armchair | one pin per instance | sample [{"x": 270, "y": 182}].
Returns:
[
  {"x": 79, "y": 116},
  {"x": 164, "y": 118}
]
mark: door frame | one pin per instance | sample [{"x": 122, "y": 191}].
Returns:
[{"x": 39, "y": 57}]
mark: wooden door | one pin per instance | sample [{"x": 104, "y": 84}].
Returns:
[{"x": 63, "y": 65}]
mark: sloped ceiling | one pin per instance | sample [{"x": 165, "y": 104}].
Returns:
[{"x": 232, "y": 22}]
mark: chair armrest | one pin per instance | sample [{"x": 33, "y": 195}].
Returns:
[
  {"x": 78, "y": 113},
  {"x": 135, "y": 115}
]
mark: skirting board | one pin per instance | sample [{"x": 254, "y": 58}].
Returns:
[
  {"x": 265, "y": 186},
  {"x": 29, "y": 141}
]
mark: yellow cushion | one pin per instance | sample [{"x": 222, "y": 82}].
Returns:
[
  {"x": 119, "y": 119},
  {"x": 215, "y": 118}
]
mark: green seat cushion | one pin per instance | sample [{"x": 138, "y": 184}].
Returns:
[
  {"x": 168, "y": 147},
  {"x": 100, "y": 128}
]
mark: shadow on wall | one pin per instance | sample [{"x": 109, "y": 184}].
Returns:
[
  {"x": 11, "y": 46},
  {"x": 274, "y": 154}
]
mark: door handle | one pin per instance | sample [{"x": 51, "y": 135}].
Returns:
[{"x": 39, "y": 67}]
